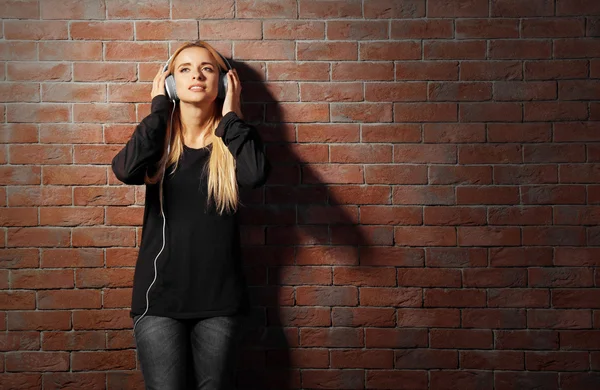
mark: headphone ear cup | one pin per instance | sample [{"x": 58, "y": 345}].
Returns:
[
  {"x": 170, "y": 88},
  {"x": 223, "y": 85}
]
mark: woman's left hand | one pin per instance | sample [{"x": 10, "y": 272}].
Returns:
[{"x": 232, "y": 97}]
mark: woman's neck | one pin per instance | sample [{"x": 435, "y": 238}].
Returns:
[{"x": 194, "y": 121}]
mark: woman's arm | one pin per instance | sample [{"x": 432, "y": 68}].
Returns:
[
  {"x": 145, "y": 146},
  {"x": 245, "y": 144}
]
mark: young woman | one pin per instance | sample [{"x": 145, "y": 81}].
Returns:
[{"x": 189, "y": 292}]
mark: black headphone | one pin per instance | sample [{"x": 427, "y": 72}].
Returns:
[{"x": 170, "y": 81}]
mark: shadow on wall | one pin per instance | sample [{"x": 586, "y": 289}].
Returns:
[{"x": 294, "y": 229}]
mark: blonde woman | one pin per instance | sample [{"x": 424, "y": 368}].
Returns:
[{"x": 192, "y": 151}]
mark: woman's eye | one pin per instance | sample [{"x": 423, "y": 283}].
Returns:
[
  {"x": 183, "y": 70},
  {"x": 207, "y": 68}
]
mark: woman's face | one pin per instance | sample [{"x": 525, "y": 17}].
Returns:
[{"x": 196, "y": 76}]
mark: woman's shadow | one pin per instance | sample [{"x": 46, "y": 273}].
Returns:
[{"x": 295, "y": 229}]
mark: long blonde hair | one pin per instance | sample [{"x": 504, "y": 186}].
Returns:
[{"x": 222, "y": 182}]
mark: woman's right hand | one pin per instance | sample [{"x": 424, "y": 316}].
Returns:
[{"x": 158, "y": 84}]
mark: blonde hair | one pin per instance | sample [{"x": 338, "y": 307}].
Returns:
[{"x": 222, "y": 182}]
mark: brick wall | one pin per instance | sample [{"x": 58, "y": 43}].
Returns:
[{"x": 430, "y": 223}]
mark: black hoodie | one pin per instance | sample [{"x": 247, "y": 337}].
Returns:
[{"x": 199, "y": 272}]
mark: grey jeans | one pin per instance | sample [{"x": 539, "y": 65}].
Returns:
[{"x": 188, "y": 354}]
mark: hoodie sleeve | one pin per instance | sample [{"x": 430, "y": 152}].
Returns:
[
  {"x": 245, "y": 144},
  {"x": 145, "y": 146}
]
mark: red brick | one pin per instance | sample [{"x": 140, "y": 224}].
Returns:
[
  {"x": 19, "y": 9},
  {"x": 302, "y": 316},
  {"x": 394, "y": 174},
  {"x": 353, "y": 358},
  {"x": 519, "y": 215},
  {"x": 103, "y": 360},
  {"x": 73, "y": 51},
  {"x": 577, "y": 298},
  {"x": 392, "y": 256},
  {"x": 69, "y": 299},
  {"x": 555, "y": 69},
  {"x": 265, "y": 50},
  {"x": 353, "y": 317},
  {"x": 104, "y": 71},
  {"x": 74, "y": 175},
  {"x": 580, "y": 7},
  {"x": 453, "y": 132},
  {"x": 441, "y": 215},
  {"x": 37, "y": 361},
  {"x": 423, "y": 195},
  {"x": 363, "y": 235},
  {"x": 73, "y": 341},
  {"x": 558, "y": 319},
  {"x": 557, "y": 361},
  {"x": 491, "y": 70},
  {"x": 425, "y": 153},
  {"x": 553, "y": 194},
  {"x": 39, "y": 320},
  {"x": 526, "y": 379},
  {"x": 302, "y": 275},
  {"x": 18, "y": 217},
  {"x": 395, "y": 338},
  {"x": 486, "y": 154},
  {"x": 101, "y": 319},
  {"x": 81, "y": 381},
  {"x": 38, "y": 112},
  {"x": 35, "y": 30},
  {"x": 396, "y": 92},
  {"x": 574, "y": 236},
  {"x": 390, "y": 51},
  {"x": 331, "y": 92},
  {"x": 445, "y": 50},
  {"x": 487, "y": 195},
  {"x": 492, "y": 360},
  {"x": 121, "y": 257},
  {"x": 516, "y": 8},
  {"x": 72, "y": 216},
  {"x": 18, "y": 51},
  {"x": 19, "y": 176},
  {"x": 493, "y": 318},
  {"x": 489, "y": 236},
  {"x": 579, "y": 90},
  {"x": 459, "y": 91},
  {"x": 183, "y": 9},
  {"x": 320, "y": 9},
  {"x": 72, "y": 9},
  {"x": 456, "y": 257},
  {"x": 289, "y": 29},
  {"x": 71, "y": 92},
  {"x": 38, "y": 236},
  {"x": 396, "y": 379},
  {"x": 457, "y": 8},
  {"x": 331, "y": 337},
  {"x": 20, "y": 341},
  {"x": 391, "y": 133},
  {"x": 327, "y": 51},
  {"x": 526, "y": 339},
  {"x": 117, "y": 298},
  {"x": 326, "y": 296},
  {"x": 489, "y": 277},
  {"x": 362, "y": 71},
  {"x": 101, "y": 113},
  {"x": 425, "y": 112},
  {"x": 362, "y": 276},
  {"x": 17, "y": 300},
  {"x": 166, "y": 30},
  {"x": 383, "y": 9},
  {"x": 135, "y": 51},
  {"x": 324, "y": 215},
  {"x": 361, "y": 112},
  {"x": 333, "y": 379},
  {"x": 576, "y": 256},
  {"x": 439, "y": 318},
  {"x": 519, "y": 132},
  {"x": 461, "y": 338},
  {"x": 357, "y": 30},
  {"x": 386, "y": 297},
  {"x": 145, "y": 9},
  {"x": 305, "y": 71},
  {"x": 554, "y": 28},
  {"x": 429, "y": 277},
  {"x": 105, "y": 31},
  {"x": 421, "y": 29},
  {"x": 576, "y": 48},
  {"x": 487, "y": 28},
  {"x": 442, "y": 174},
  {"x": 560, "y": 277},
  {"x": 427, "y": 70},
  {"x": 103, "y": 236}
]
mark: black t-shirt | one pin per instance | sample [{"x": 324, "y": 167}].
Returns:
[{"x": 199, "y": 272}]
